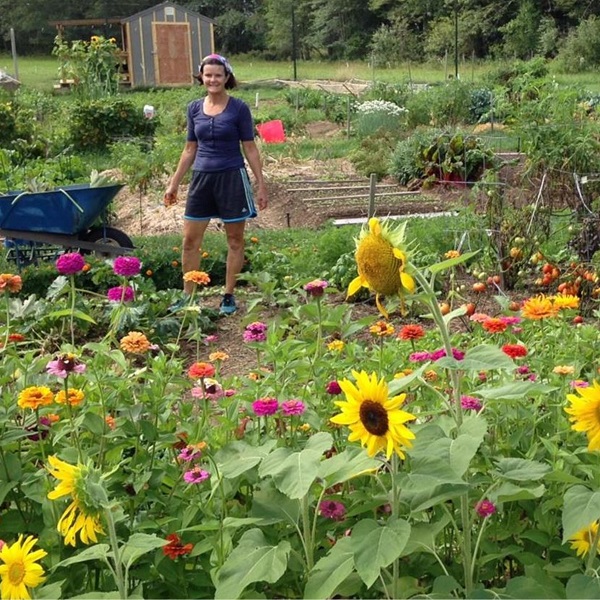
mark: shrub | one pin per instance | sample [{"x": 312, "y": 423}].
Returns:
[
  {"x": 374, "y": 153},
  {"x": 406, "y": 161},
  {"x": 450, "y": 103},
  {"x": 373, "y": 116},
  {"x": 581, "y": 50}
]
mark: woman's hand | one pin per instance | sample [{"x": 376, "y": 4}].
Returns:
[
  {"x": 170, "y": 196},
  {"x": 262, "y": 198}
]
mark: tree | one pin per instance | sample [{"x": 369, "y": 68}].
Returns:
[{"x": 522, "y": 34}]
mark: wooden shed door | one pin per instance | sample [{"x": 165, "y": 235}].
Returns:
[{"x": 172, "y": 53}]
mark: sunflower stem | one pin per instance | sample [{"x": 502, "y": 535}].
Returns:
[
  {"x": 114, "y": 542},
  {"x": 394, "y": 514},
  {"x": 307, "y": 534},
  {"x": 589, "y": 570}
]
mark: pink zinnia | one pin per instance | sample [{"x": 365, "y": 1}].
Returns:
[
  {"x": 127, "y": 266},
  {"x": 333, "y": 388},
  {"x": 419, "y": 356},
  {"x": 470, "y": 403},
  {"x": 330, "y": 509},
  {"x": 479, "y": 317},
  {"x": 264, "y": 407},
  {"x": 457, "y": 354},
  {"x": 70, "y": 263},
  {"x": 316, "y": 288},
  {"x": 255, "y": 332},
  {"x": 485, "y": 508},
  {"x": 578, "y": 383},
  {"x": 64, "y": 365},
  {"x": 189, "y": 454},
  {"x": 292, "y": 407},
  {"x": 510, "y": 320},
  {"x": 124, "y": 293},
  {"x": 196, "y": 475}
]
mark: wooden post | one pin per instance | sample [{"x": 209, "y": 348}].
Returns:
[
  {"x": 372, "y": 185},
  {"x": 13, "y": 48},
  {"x": 256, "y": 101},
  {"x": 348, "y": 110}
]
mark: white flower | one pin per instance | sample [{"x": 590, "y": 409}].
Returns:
[{"x": 380, "y": 106}]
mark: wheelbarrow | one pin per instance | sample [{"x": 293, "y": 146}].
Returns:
[{"x": 36, "y": 225}]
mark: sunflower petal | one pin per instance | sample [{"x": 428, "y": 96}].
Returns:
[{"x": 354, "y": 286}]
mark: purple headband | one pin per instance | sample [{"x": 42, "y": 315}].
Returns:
[{"x": 220, "y": 59}]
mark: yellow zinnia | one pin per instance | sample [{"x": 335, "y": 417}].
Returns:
[
  {"x": 583, "y": 539},
  {"x": 565, "y": 301},
  {"x": 381, "y": 262},
  {"x": 35, "y": 396},
  {"x": 20, "y": 570},
  {"x": 585, "y": 413},
  {"x": 336, "y": 346},
  {"x": 539, "y": 307},
  {"x": 374, "y": 419},
  {"x": 74, "y": 398}
]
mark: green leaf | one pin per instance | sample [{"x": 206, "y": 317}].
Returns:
[
  {"x": 238, "y": 457},
  {"x": 376, "y": 547},
  {"x": 96, "y": 552},
  {"x": 444, "y": 585},
  {"x": 424, "y": 491},
  {"x": 250, "y": 561},
  {"x": 352, "y": 462},
  {"x": 509, "y": 492},
  {"x": 331, "y": 571},
  {"x": 50, "y": 591},
  {"x": 66, "y": 312},
  {"x": 451, "y": 262},
  {"x": 297, "y": 472},
  {"x": 520, "y": 469},
  {"x": 320, "y": 442},
  {"x": 583, "y": 586},
  {"x": 531, "y": 588},
  {"x": 480, "y": 358},
  {"x": 581, "y": 509},
  {"x": 270, "y": 505},
  {"x": 93, "y": 423},
  {"x": 423, "y": 535},
  {"x": 515, "y": 391},
  {"x": 138, "y": 545}
]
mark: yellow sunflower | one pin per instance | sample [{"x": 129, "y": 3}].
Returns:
[
  {"x": 381, "y": 262},
  {"x": 585, "y": 413},
  {"x": 20, "y": 569},
  {"x": 83, "y": 514},
  {"x": 374, "y": 418},
  {"x": 583, "y": 539}
]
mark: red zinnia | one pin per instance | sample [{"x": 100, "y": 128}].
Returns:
[
  {"x": 411, "y": 332},
  {"x": 494, "y": 325},
  {"x": 175, "y": 548},
  {"x": 200, "y": 370},
  {"x": 514, "y": 350}
]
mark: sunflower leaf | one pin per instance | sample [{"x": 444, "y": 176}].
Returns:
[
  {"x": 515, "y": 391},
  {"x": 96, "y": 552},
  {"x": 352, "y": 462},
  {"x": 292, "y": 474},
  {"x": 452, "y": 262},
  {"x": 238, "y": 457},
  {"x": 521, "y": 469},
  {"x": 137, "y": 545},
  {"x": 581, "y": 509},
  {"x": 376, "y": 547},
  {"x": 331, "y": 571},
  {"x": 481, "y": 358}
]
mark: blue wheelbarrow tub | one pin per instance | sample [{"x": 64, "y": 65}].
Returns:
[{"x": 69, "y": 210}]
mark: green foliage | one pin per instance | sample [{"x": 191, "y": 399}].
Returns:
[
  {"x": 450, "y": 103},
  {"x": 374, "y": 153},
  {"x": 94, "y": 124},
  {"x": 581, "y": 50}
]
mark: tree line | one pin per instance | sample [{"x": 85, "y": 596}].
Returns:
[{"x": 382, "y": 31}]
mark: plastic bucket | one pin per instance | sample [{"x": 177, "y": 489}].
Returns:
[{"x": 271, "y": 132}]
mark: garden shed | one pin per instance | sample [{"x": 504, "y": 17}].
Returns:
[{"x": 164, "y": 44}]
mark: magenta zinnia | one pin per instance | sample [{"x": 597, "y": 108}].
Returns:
[
  {"x": 70, "y": 263},
  {"x": 127, "y": 266}
]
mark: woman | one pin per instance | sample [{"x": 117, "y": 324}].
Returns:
[{"x": 218, "y": 125}]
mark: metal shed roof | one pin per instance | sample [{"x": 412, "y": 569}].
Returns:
[{"x": 162, "y": 5}]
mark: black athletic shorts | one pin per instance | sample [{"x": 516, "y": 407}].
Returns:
[{"x": 225, "y": 195}]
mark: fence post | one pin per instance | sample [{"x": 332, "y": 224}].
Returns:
[
  {"x": 372, "y": 184},
  {"x": 348, "y": 117}
]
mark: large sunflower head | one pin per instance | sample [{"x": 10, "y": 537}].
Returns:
[
  {"x": 19, "y": 569},
  {"x": 374, "y": 418},
  {"x": 381, "y": 261},
  {"x": 585, "y": 413}
]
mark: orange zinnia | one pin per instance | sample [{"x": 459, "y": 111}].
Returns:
[
  {"x": 411, "y": 332},
  {"x": 197, "y": 277},
  {"x": 539, "y": 307},
  {"x": 12, "y": 283},
  {"x": 75, "y": 397},
  {"x": 218, "y": 355},
  {"x": 35, "y": 396},
  {"x": 200, "y": 370},
  {"x": 135, "y": 343},
  {"x": 382, "y": 329},
  {"x": 494, "y": 325}
]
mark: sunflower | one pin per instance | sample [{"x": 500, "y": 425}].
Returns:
[
  {"x": 583, "y": 539},
  {"x": 20, "y": 569},
  {"x": 374, "y": 418},
  {"x": 83, "y": 514},
  {"x": 35, "y": 396},
  {"x": 539, "y": 307},
  {"x": 381, "y": 262},
  {"x": 585, "y": 413}
]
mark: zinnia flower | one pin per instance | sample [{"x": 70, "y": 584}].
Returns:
[
  {"x": 485, "y": 508},
  {"x": 336, "y": 346},
  {"x": 564, "y": 369},
  {"x": 75, "y": 397},
  {"x": 70, "y": 263},
  {"x": 20, "y": 569},
  {"x": 578, "y": 383},
  {"x": 494, "y": 325},
  {"x": 127, "y": 266},
  {"x": 191, "y": 452},
  {"x": 374, "y": 419},
  {"x": 292, "y": 407},
  {"x": 199, "y": 370},
  {"x": 255, "y": 332},
  {"x": 135, "y": 343},
  {"x": 64, "y": 365},
  {"x": 120, "y": 293},
  {"x": 514, "y": 350},
  {"x": 218, "y": 356},
  {"x": 197, "y": 277},
  {"x": 411, "y": 333},
  {"x": 452, "y": 254},
  {"x": 316, "y": 288},
  {"x": 585, "y": 413},
  {"x": 16, "y": 337},
  {"x": 331, "y": 509},
  {"x": 196, "y": 475},
  {"x": 174, "y": 549},
  {"x": 35, "y": 396},
  {"x": 582, "y": 541},
  {"x": 12, "y": 283},
  {"x": 264, "y": 407},
  {"x": 82, "y": 516},
  {"x": 333, "y": 388},
  {"x": 565, "y": 301},
  {"x": 470, "y": 403},
  {"x": 419, "y": 356},
  {"x": 539, "y": 307},
  {"x": 381, "y": 262},
  {"x": 382, "y": 329},
  {"x": 437, "y": 354}
]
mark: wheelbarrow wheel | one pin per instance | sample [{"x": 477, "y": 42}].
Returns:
[{"x": 107, "y": 235}]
